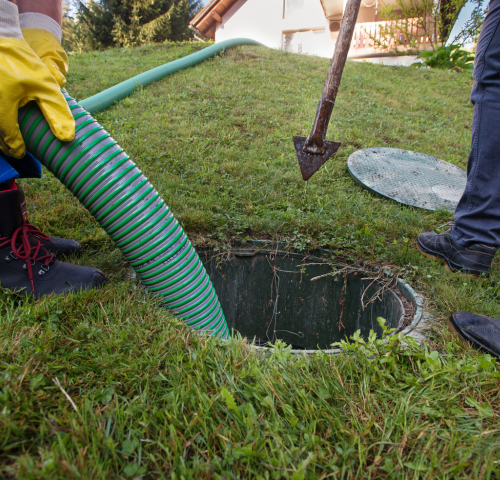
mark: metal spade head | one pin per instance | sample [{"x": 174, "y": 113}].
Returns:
[{"x": 310, "y": 163}]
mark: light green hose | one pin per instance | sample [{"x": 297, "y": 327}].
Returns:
[{"x": 108, "y": 97}]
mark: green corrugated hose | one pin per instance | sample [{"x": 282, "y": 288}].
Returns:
[
  {"x": 108, "y": 97},
  {"x": 107, "y": 182}
]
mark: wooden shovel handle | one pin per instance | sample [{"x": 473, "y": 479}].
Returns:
[
  {"x": 315, "y": 142},
  {"x": 341, "y": 50}
]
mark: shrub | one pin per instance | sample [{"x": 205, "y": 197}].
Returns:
[{"x": 450, "y": 57}]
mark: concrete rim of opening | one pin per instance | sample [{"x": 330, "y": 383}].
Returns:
[{"x": 403, "y": 288}]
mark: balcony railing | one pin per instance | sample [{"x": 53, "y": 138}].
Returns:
[{"x": 406, "y": 36}]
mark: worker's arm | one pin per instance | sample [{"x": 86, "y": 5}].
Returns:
[
  {"x": 49, "y": 8},
  {"x": 25, "y": 78},
  {"x": 41, "y": 22}
]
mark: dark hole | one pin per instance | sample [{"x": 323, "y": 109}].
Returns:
[{"x": 268, "y": 295}]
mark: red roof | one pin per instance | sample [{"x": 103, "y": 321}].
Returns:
[{"x": 206, "y": 20}]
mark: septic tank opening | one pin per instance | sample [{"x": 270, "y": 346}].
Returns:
[{"x": 269, "y": 294}]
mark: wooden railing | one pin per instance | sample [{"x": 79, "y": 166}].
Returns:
[{"x": 408, "y": 37}]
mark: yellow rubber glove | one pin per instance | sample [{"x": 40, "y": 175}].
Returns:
[
  {"x": 49, "y": 50},
  {"x": 24, "y": 78}
]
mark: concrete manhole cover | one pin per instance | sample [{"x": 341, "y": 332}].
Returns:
[{"x": 409, "y": 178}]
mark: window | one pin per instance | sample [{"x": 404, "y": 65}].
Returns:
[{"x": 311, "y": 42}]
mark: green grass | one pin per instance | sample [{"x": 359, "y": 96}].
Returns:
[{"x": 156, "y": 400}]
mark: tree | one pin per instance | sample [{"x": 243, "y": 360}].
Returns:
[
  {"x": 472, "y": 27},
  {"x": 448, "y": 14},
  {"x": 411, "y": 25},
  {"x": 124, "y": 23},
  {"x": 68, "y": 28}
]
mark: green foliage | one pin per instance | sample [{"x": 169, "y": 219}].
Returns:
[
  {"x": 68, "y": 28},
  {"x": 157, "y": 400},
  {"x": 126, "y": 23},
  {"x": 411, "y": 25},
  {"x": 449, "y": 57}
]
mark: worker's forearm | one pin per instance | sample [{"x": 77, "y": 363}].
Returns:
[{"x": 51, "y": 8}]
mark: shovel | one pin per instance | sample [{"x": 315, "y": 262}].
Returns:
[{"x": 314, "y": 151}]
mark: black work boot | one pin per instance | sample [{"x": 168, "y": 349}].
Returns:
[
  {"x": 26, "y": 266},
  {"x": 474, "y": 259},
  {"x": 480, "y": 331}
]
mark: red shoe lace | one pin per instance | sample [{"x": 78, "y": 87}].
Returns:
[{"x": 27, "y": 252}]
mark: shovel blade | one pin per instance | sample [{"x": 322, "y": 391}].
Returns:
[{"x": 309, "y": 164}]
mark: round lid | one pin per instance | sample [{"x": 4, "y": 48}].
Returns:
[{"x": 409, "y": 178}]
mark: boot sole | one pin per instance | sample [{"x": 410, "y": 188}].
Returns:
[{"x": 445, "y": 263}]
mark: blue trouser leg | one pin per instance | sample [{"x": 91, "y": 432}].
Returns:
[
  {"x": 477, "y": 217},
  {"x": 12, "y": 168},
  {"x": 7, "y": 172}
]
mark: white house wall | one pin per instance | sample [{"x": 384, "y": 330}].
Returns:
[
  {"x": 297, "y": 26},
  {"x": 255, "y": 19},
  {"x": 302, "y": 14},
  {"x": 262, "y": 20}
]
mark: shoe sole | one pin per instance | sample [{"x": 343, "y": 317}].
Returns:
[
  {"x": 445, "y": 263},
  {"x": 466, "y": 341}
]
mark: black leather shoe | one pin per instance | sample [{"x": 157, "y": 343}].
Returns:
[
  {"x": 480, "y": 331},
  {"x": 474, "y": 259}
]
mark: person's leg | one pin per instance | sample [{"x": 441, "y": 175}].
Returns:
[
  {"x": 27, "y": 256},
  {"x": 29, "y": 167},
  {"x": 477, "y": 217},
  {"x": 26, "y": 266},
  {"x": 26, "y": 167},
  {"x": 471, "y": 244}
]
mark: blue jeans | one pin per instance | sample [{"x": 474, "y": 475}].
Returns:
[{"x": 477, "y": 217}]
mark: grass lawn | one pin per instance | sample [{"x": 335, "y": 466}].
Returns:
[{"x": 151, "y": 398}]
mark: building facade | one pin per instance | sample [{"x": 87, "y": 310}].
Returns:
[{"x": 298, "y": 26}]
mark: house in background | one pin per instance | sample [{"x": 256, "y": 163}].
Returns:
[{"x": 299, "y": 26}]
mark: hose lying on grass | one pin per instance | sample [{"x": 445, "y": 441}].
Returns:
[
  {"x": 103, "y": 178},
  {"x": 105, "y": 99}
]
